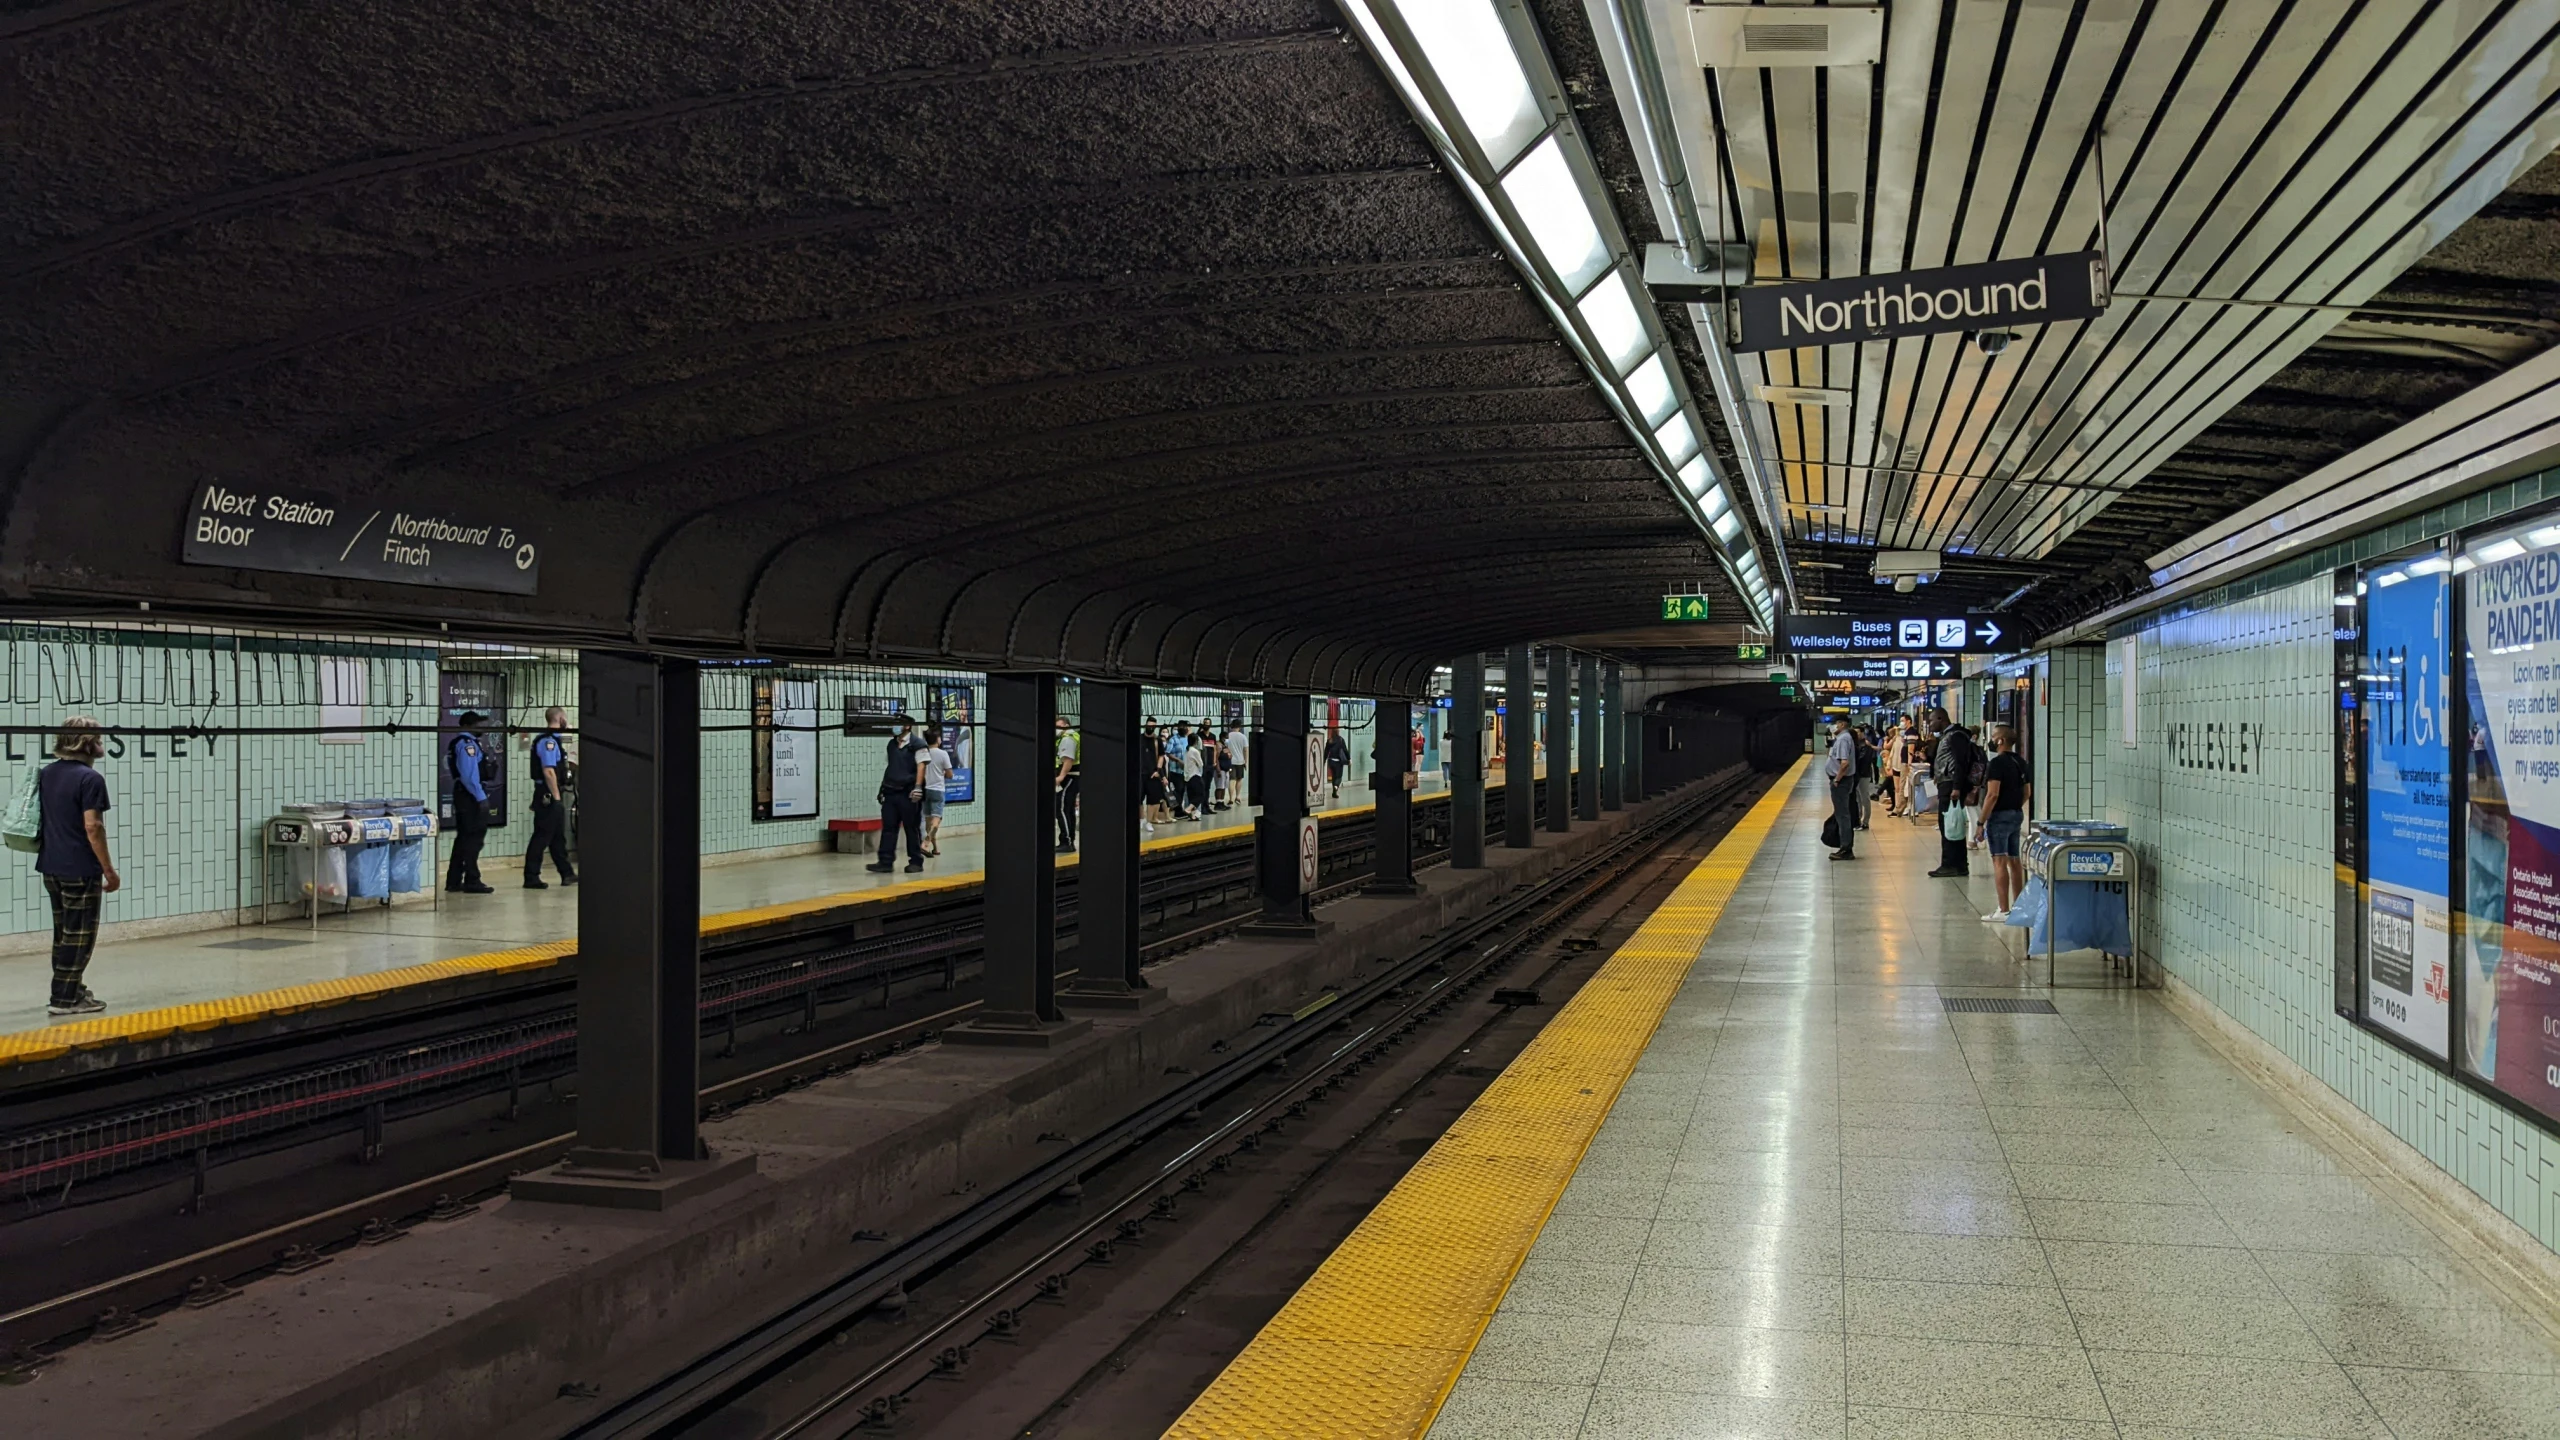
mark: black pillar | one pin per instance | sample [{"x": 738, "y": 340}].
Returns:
[
  {"x": 1019, "y": 976},
  {"x": 1390, "y": 777},
  {"x": 639, "y": 942},
  {"x": 1466, "y": 763},
  {"x": 1559, "y": 739},
  {"x": 1638, "y": 782},
  {"x": 1586, "y": 742},
  {"x": 1613, "y": 739},
  {"x": 1107, "y": 974},
  {"x": 1278, "y": 835},
  {"x": 1520, "y": 751}
]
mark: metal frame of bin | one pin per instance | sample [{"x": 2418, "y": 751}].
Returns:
[
  {"x": 2125, "y": 866},
  {"x": 268, "y": 844}
]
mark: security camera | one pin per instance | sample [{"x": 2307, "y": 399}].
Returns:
[
  {"x": 1905, "y": 584},
  {"x": 1992, "y": 342}
]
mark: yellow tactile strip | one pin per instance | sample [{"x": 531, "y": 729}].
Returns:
[
  {"x": 1369, "y": 1347},
  {"x": 54, "y": 1041}
]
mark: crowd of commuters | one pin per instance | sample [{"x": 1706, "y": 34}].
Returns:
[{"x": 1930, "y": 767}]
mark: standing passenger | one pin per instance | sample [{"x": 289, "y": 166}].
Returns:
[
  {"x": 1841, "y": 769},
  {"x": 1958, "y": 770},
  {"x": 933, "y": 766},
  {"x": 1068, "y": 782},
  {"x": 72, "y": 857},
  {"x": 462, "y": 756},
  {"x": 550, "y": 803},
  {"x": 901, "y": 802},
  {"x": 1239, "y": 749},
  {"x": 2006, "y": 792}
]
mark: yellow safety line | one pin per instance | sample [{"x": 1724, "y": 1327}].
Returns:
[
  {"x": 54, "y": 1041},
  {"x": 1370, "y": 1346}
]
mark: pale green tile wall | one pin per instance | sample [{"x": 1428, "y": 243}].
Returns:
[
  {"x": 2239, "y": 874},
  {"x": 2070, "y": 768}
]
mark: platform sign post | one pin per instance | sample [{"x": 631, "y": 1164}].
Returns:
[
  {"x": 1279, "y": 831},
  {"x": 1391, "y": 781},
  {"x": 1467, "y": 766}
]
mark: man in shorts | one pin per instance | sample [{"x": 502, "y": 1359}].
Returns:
[
  {"x": 2004, "y": 815},
  {"x": 933, "y": 767}
]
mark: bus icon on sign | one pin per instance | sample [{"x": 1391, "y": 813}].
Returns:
[
  {"x": 1950, "y": 634},
  {"x": 1915, "y": 634}
]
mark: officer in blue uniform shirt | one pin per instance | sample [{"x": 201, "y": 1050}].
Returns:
[
  {"x": 550, "y": 803},
  {"x": 462, "y": 755}
]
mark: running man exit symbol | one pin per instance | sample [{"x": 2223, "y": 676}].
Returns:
[{"x": 1684, "y": 607}]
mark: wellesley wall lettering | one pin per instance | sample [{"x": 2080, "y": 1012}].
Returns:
[
  {"x": 1991, "y": 296},
  {"x": 306, "y": 534}
]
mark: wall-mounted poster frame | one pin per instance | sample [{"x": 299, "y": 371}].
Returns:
[
  {"x": 785, "y": 748},
  {"x": 950, "y": 711},
  {"x": 2496, "y": 732}
]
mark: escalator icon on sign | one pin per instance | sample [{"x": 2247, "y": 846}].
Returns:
[{"x": 1950, "y": 635}]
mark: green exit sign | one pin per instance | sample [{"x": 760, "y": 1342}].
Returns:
[
  {"x": 1786, "y": 692},
  {"x": 1752, "y": 652},
  {"x": 1781, "y": 677},
  {"x": 1684, "y": 607}
]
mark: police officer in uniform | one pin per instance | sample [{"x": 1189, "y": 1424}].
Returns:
[
  {"x": 550, "y": 803},
  {"x": 462, "y": 755}
]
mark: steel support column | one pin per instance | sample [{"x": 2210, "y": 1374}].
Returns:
[
  {"x": 639, "y": 943},
  {"x": 1020, "y": 972},
  {"x": 1279, "y": 833},
  {"x": 1466, "y": 762},
  {"x": 1637, "y": 783},
  {"x": 1613, "y": 739},
  {"x": 1389, "y": 779},
  {"x": 1520, "y": 750},
  {"x": 1107, "y": 954},
  {"x": 1559, "y": 739},
  {"x": 1586, "y": 741}
]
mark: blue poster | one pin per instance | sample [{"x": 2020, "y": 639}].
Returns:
[
  {"x": 949, "y": 710},
  {"x": 2408, "y": 814}
]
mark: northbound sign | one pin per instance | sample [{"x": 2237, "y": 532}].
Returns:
[
  {"x": 1890, "y": 634},
  {"x": 303, "y": 533},
  {"x": 1990, "y": 296}
]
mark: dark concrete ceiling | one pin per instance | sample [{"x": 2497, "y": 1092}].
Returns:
[{"x": 1137, "y": 338}]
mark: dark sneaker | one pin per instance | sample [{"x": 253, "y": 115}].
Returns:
[
  {"x": 87, "y": 1004},
  {"x": 568, "y": 879},
  {"x": 535, "y": 885},
  {"x": 914, "y": 865},
  {"x": 1844, "y": 855},
  {"x": 880, "y": 869},
  {"x": 476, "y": 888}
]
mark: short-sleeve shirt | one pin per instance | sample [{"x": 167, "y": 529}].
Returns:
[
  {"x": 66, "y": 791},
  {"x": 1069, "y": 750},
  {"x": 933, "y": 763},
  {"x": 547, "y": 755},
  {"x": 1843, "y": 757},
  {"x": 1175, "y": 744},
  {"x": 2010, "y": 773},
  {"x": 1237, "y": 748}
]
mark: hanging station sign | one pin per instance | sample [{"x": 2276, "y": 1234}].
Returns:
[
  {"x": 1891, "y": 634},
  {"x": 1684, "y": 607},
  {"x": 302, "y": 532},
  {"x": 1991, "y": 296},
  {"x": 1877, "y": 667}
]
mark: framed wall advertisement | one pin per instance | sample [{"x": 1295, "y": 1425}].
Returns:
[
  {"x": 2510, "y": 978},
  {"x": 785, "y": 747},
  {"x": 2407, "y": 759},
  {"x": 951, "y": 711}
]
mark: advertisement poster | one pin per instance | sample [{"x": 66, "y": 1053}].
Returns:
[
  {"x": 485, "y": 692},
  {"x": 2408, "y": 817},
  {"x": 786, "y": 749},
  {"x": 2511, "y": 1003},
  {"x": 948, "y": 709}
]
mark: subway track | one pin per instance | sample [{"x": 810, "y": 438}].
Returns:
[
  {"x": 1094, "y": 1295},
  {"x": 127, "y": 1191}
]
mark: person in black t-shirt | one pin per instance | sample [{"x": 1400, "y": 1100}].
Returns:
[
  {"x": 2003, "y": 815},
  {"x": 72, "y": 857}
]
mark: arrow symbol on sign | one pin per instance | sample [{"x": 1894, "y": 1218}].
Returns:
[
  {"x": 1989, "y": 633},
  {"x": 1946, "y": 667}
]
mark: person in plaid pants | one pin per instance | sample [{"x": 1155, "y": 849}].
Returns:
[{"x": 78, "y": 873}]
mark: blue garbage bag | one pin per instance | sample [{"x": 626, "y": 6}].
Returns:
[
  {"x": 2084, "y": 915},
  {"x": 408, "y": 867},
  {"x": 369, "y": 871}
]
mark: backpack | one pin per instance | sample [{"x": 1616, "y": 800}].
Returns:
[{"x": 23, "y": 826}]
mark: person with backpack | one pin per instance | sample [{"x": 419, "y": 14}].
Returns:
[
  {"x": 462, "y": 756},
  {"x": 66, "y": 827},
  {"x": 1337, "y": 761},
  {"x": 1959, "y": 771}
]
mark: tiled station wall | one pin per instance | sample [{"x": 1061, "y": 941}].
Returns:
[
  {"x": 2236, "y": 839},
  {"x": 2070, "y": 770},
  {"x": 186, "y": 807}
]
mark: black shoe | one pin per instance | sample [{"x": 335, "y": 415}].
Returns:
[
  {"x": 476, "y": 888},
  {"x": 881, "y": 869},
  {"x": 914, "y": 865},
  {"x": 568, "y": 879},
  {"x": 535, "y": 885},
  {"x": 1946, "y": 874},
  {"x": 1844, "y": 855},
  {"x": 1066, "y": 849},
  {"x": 86, "y": 1004}
]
